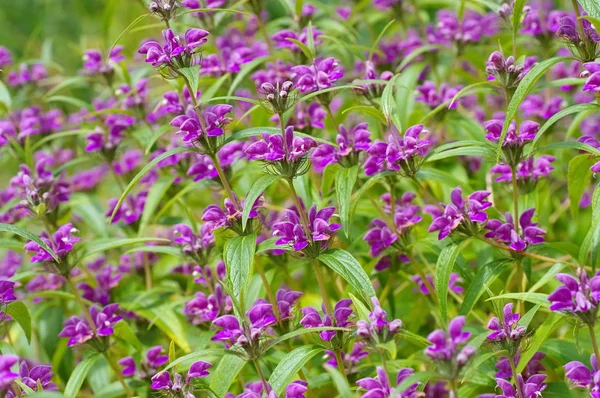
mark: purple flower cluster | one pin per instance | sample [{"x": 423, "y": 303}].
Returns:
[
  {"x": 350, "y": 145},
  {"x": 378, "y": 329},
  {"x": 448, "y": 349},
  {"x": 148, "y": 366},
  {"x": 340, "y": 318},
  {"x": 379, "y": 386},
  {"x": 175, "y": 51},
  {"x": 232, "y": 332},
  {"x": 528, "y": 234},
  {"x": 79, "y": 331},
  {"x": 579, "y": 296}
]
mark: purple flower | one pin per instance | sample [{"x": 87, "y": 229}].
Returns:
[
  {"x": 272, "y": 148},
  {"x": 78, "y": 330},
  {"x": 399, "y": 154},
  {"x": 594, "y": 143},
  {"x": 531, "y": 388},
  {"x": 446, "y": 347},
  {"x": 130, "y": 210},
  {"x": 105, "y": 281},
  {"x": 6, "y": 375},
  {"x": 592, "y": 72},
  {"x": 27, "y": 74},
  {"x": 430, "y": 95},
  {"x": 162, "y": 380},
  {"x": 61, "y": 243},
  {"x": 508, "y": 328},
  {"x": 372, "y": 90},
  {"x": 341, "y": 314},
  {"x": 537, "y": 106},
  {"x": 292, "y": 232},
  {"x": 379, "y": 386},
  {"x": 41, "y": 191},
  {"x": 506, "y": 71},
  {"x": 281, "y": 38},
  {"x": 350, "y": 144},
  {"x": 286, "y": 300},
  {"x": 505, "y": 232},
  {"x": 577, "y": 295},
  {"x": 306, "y": 117},
  {"x": 527, "y": 131},
  {"x": 152, "y": 361},
  {"x": 296, "y": 389},
  {"x": 7, "y": 292},
  {"x": 449, "y": 28},
  {"x": 203, "y": 308},
  {"x": 174, "y": 50},
  {"x": 317, "y": 77},
  {"x": 9, "y": 264},
  {"x": 93, "y": 64},
  {"x": 5, "y": 57},
  {"x": 534, "y": 365},
  {"x": 453, "y": 286},
  {"x": 34, "y": 377},
  {"x": 351, "y": 359},
  {"x": 462, "y": 215},
  {"x": 193, "y": 130},
  {"x": 198, "y": 246},
  {"x": 378, "y": 329},
  {"x": 228, "y": 216},
  {"x": 260, "y": 317},
  {"x": 528, "y": 171},
  {"x": 581, "y": 376}
]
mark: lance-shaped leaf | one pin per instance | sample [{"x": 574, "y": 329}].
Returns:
[
  {"x": 289, "y": 365},
  {"x": 238, "y": 255},
  {"x": 345, "y": 265},
  {"x": 344, "y": 183},
  {"x": 257, "y": 189},
  {"x": 28, "y": 235}
]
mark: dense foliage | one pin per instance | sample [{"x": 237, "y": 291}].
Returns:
[{"x": 388, "y": 198}]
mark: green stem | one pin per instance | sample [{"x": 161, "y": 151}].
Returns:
[
  {"x": 265, "y": 281},
  {"x": 330, "y": 114},
  {"x": 117, "y": 373},
  {"x": 514, "y": 376},
  {"x": 453, "y": 391},
  {"x": 594, "y": 341},
  {"x": 383, "y": 361},
  {"x": 322, "y": 288},
  {"x": 263, "y": 31},
  {"x": 262, "y": 376},
  {"x": 579, "y": 21},
  {"x": 340, "y": 362},
  {"x": 85, "y": 310},
  {"x": 147, "y": 273},
  {"x": 515, "y": 187}
]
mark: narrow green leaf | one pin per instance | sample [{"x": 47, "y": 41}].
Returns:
[
  {"x": 480, "y": 150},
  {"x": 536, "y": 298},
  {"x": 521, "y": 92},
  {"x": 340, "y": 382},
  {"x": 28, "y": 235},
  {"x": 344, "y": 184},
  {"x": 548, "y": 276},
  {"x": 516, "y": 16},
  {"x": 300, "y": 332},
  {"x": 326, "y": 90},
  {"x": 579, "y": 146},
  {"x": 589, "y": 253},
  {"x": 541, "y": 335},
  {"x": 289, "y": 365},
  {"x": 418, "y": 377},
  {"x": 578, "y": 179},
  {"x": 226, "y": 372},
  {"x": 76, "y": 102},
  {"x": 156, "y": 134},
  {"x": 238, "y": 255},
  {"x": 578, "y": 108},
  {"x": 257, "y": 189},
  {"x": 5, "y": 97},
  {"x": 417, "y": 52},
  {"x": 591, "y": 7},
  {"x": 477, "y": 362},
  {"x": 485, "y": 275},
  {"x": 124, "y": 332},
  {"x": 79, "y": 374},
  {"x": 192, "y": 75},
  {"x": 127, "y": 29},
  {"x": 19, "y": 312},
  {"x": 528, "y": 317},
  {"x": 387, "y": 98},
  {"x": 379, "y": 37},
  {"x": 361, "y": 310},
  {"x": 193, "y": 357},
  {"x": 246, "y": 69},
  {"x": 210, "y": 92},
  {"x": 376, "y": 113},
  {"x": 109, "y": 244},
  {"x": 443, "y": 268},
  {"x": 155, "y": 195},
  {"x": 345, "y": 265},
  {"x": 310, "y": 42},
  {"x": 143, "y": 172},
  {"x": 462, "y": 92}
]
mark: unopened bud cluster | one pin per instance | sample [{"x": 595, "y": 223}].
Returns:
[{"x": 278, "y": 98}]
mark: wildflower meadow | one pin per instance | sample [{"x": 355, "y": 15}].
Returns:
[{"x": 300, "y": 199}]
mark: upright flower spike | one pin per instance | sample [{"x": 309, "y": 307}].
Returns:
[
  {"x": 230, "y": 217},
  {"x": 529, "y": 233},
  {"x": 531, "y": 388},
  {"x": 403, "y": 154},
  {"x": 379, "y": 329},
  {"x": 176, "y": 53},
  {"x": 37, "y": 378},
  {"x": 379, "y": 386},
  {"x": 463, "y": 216},
  {"x": 320, "y": 231},
  {"x": 577, "y": 296},
  {"x": 62, "y": 243},
  {"x": 351, "y": 143},
  {"x": 278, "y": 98},
  {"x": 514, "y": 140},
  {"x": 78, "y": 330},
  {"x": 321, "y": 75},
  {"x": 581, "y": 376},
  {"x": 507, "y": 328},
  {"x": 196, "y": 246},
  {"x": 95, "y": 64},
  {"x": 586, "y": 48},
  {"x": 177, "y": 386},
  {"x": 341, "y": 318},
  {"x": 449, "y": 350},
  {"x": 506, "y": 71},
  {"x": 203, "y": 309}
]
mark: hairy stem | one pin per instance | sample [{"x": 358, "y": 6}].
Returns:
[
  {"x": 513, "y": 368},
  {"x": 594, "y": 341},
  {"x": 340, "y": 363},
  {"x": 79, "y": 300},
  {"x": 262, "y": 376},
  {"x": 117, "y": 373},
  {"x": 265, "y": 281},
  {"x": 515, "y": 188},
  {"x": 322, "y": 288}
]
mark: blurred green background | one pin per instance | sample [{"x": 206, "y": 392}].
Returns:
[{"x": 61, "y": 30}]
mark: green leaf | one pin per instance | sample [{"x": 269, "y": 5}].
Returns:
[
  {"x": 464, "y": 90},
  {"x": 143, "y": 172},
  {"x": 560, "y": 115},
  {"x": 521, "y": 92},
  {"x": 344, "y": 184},
  {"x": 289, "y": 365},
  {"x": 76, "y": 102},
  {"x": 255, "y": 131},
  {"x": 193, "y": 357},
  {"x": 536, "y": 298},
  {"x": 238, "y": 255},
  {"x": 79, "y": 374},
  {"x": 345, "y": 265},
  {"x": 156, "y": 134},
  {"x": 578, "y": 179},
  {"x": 310, "y": 41},
  {"x": 246, "y": 68},
  {"x": 417, "y": 52},
  {"x": 158, "y": 189},
  {"x": 28, "y": 235},
  {"x": 415, "y": 338},
  {"x": 210, "y": 92},
  {"x": 516, "y": 16},
  {"x": 46, "y": 394},
  {"x": 192, "y": 75},
  {"x": 481, "y": 150},
  {"x": 548, "y": 276},
  {"x": 257, "y": 189},
  {"x": 127, "y": 29},
  {"x": 173, "y": 251},
  {"x": 387, "y": 98},
  {"x": 418, "y": 377},
  {"x": 5, "y": 100},
  {"x": 589, "y": 253},
  {"x": 325, "y": 90},
  {"x": 528, "y": 317},
  {"x": 443, "y": 268},
  {"x": 477, "y": 362},
  {"x": 541, "y": 335},
  {"x": 166, "y": 320},
  {"x": 109, "y": 244},
  {"x": 485, "y": 275},
  {"x": 579, "y": 146},
  {"x": 379, "y": 37},
  {"x": 591, "y": 7},
  {"x": 361, "y": 310},
  {"x": 376, "y": 113},
  {"x": 19, "y": 312},
  {"x": 340, "y": 382},
  {"x": 226, "y": 372},
  {"x": 124, "y": 332},
  {"x": 300, "y": 332}
]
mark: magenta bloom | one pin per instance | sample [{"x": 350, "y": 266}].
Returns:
[
  {"x": 291, "y": 232},
  {"x": 203, "y": 308},
  {"x": 272, "y": 147},
  {"x": 106, "y": 279},
  {"x": 581, "y": 376},
  {"x": 40, "y": 188},
  {"x": 350, "y": 145},
  {"x": 228, "y": 216},
  {"x": 529, "y": 170},
  {"x": 593, "y": 77},
  {"x": 94, "y": 64},
  {"x": 317, "y": 77},
  {"x": 432, "y": 96},
  {"x": 534, "y": 366},
  {"x": 162, "y": 381},
  {"x": 379, "y": 386},
  {"x": 341, "y": 318},
  {"x": 152, "y": 361},
  {"x": 281, "y": 38},
  {"x": 379, "y": 329},
  {"x": 508, "y": 328},
  {"x": 461, "y": 215},
  {"x": 448, "y": 348},
  {"x": 130, "y": 210},
  {"x": 193, "y": 130},
  {"x": 577, "y": 295},
  {"x": 7, "y": 376},
  {"x": 7, "y": 292},
  {"x": 453, "y": 286},
  {"x": 5, "y": 57},
  {"x": 174, "y": 49},
  {"x": 260, "y": 317},
  {"x": 530, "y": 234},
  {"x": 527, "y": 131},
  {"x": 194, "y": 244},
  {"x": 78, "y": 330},
  {"x": 33, "y": 377},
  {"x": 532, "y": 387},
  {"x": 61, "y": 243}
]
